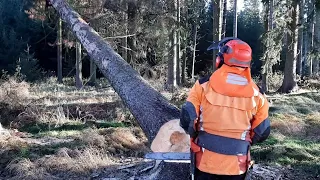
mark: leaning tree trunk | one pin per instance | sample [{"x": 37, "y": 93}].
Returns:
[
  {"x": 289, "y": 83},
  {"x": 148, "y": 106}
]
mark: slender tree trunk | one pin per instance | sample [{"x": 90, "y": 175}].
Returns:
[
  {"x": 289, "y": 83},
  {"x": 184, "y": 66},
  {"x": 93, "y": 73},
  {"x": 195, "y": 32},
  {"x": 59, "y": 51},
  {"x": 310, "y": 22},
  {"x": 79, "y": 82},
  {"x": 124, "y": 40},
  {"x": 235, "y": 19},
  {"x": 172, "y": 61},
  {"x": 300, "y": 37},
  {"x": 317, "y": 40},
  {"x": 267, "y": 22},
  {"x": 178, "y": 45},
  {"x": 132, "y": 29},
  {"x": 217, "y": 27},
  {"x": 224, "y": 19}
]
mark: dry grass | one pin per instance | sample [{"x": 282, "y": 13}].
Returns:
[
  {"x": 25, "y": 169},
  {"x": 14, "y": 93},
  {"x": 288, "y": 124},
  {"x": 76, "y": 161},
  {"x": 72, "y": 133}
]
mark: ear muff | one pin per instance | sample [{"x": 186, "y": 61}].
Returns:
[{"x": 219, "y": 60}]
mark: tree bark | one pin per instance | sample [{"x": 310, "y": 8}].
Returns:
[
  {"x": 184, "y": 66},
  {"x": 235, "y": 19},
  {"x": 217, "y": 27},
  {"x": 194, "y": 32},
  {"x": 317, "y": 40},
  {"x": 93, "y": 73},
  {"x": 289, "y": 83},
  {"x": 132, "y": 29},
  {"x": 59, "y": 51},
  {"x": 300, "y": 37},
  {"x": 224, "y": 19},
  {"x": 124, "y": 40},
  {"x": 79, "y": 82},
  {"x": 267, "y": 21},
  {"x": 310, "y": 22},
  {"x": 172, "y": 61},
  {"x": 178, "y": 71}
]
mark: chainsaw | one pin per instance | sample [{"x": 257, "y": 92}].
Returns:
[{"x": 179, "y": 157}]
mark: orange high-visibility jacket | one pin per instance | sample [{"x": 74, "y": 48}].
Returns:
[{"x": 229, "y": 113}]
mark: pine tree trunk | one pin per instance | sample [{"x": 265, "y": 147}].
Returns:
[
  {"x": 217, "y": 27},
  {"x": 132, "y": 29},
  {"x": 224, "y": 19},
  {"x": 79, "y": 82},
  {"x": 59, "y": 50},
  {"x": 317, "y": 40},
  {"x": 93, "y": 73},
  {"x": 178, "y": 45},
  {"x": 310, "y": 22},
  {"x": 235, "y": 19},
  {"x": 289, "y": 83},
  {"x": 267, "y": 22},
  {"x": 124, "y": 40},
  {"x": 172, "y": 61},
  {"x": 184, "y": 66},
  {"x": 300, "y": 37},
  {"x": 195, "y": 31}
]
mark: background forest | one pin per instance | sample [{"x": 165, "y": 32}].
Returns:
[
  {"x": 63, "y": 115},
  {"x": 163, "y": 37}
]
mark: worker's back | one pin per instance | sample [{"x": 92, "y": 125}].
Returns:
[
  {"x": 226, "y": 113},
  {"x": 228, "y": 101}
]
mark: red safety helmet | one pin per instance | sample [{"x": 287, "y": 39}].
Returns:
[{"x": 233, "y": 52}]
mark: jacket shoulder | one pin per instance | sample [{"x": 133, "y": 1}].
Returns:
[
  {"x": 204, "y": 79},
  {"x": 261, "y": 90}
]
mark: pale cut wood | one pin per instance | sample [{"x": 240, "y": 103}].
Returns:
[{"x": 171, "y": 138}]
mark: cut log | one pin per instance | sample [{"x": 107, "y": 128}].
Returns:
[
  {"x": 148, "y": 106},
  {"x": 171, "y": 138}
]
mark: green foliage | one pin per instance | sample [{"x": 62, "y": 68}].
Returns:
[
  {"x": 15, "y": 30},
  {"x": 272, "y": 39},
  {"x": 28, "y": 68}
]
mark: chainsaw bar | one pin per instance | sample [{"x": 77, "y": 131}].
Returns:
[{"x": 169, "y": 156}]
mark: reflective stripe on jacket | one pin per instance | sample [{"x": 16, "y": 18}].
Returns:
[{"x": 231, "y": 115}]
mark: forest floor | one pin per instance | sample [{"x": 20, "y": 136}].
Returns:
[{"x": 57, "y": 132}]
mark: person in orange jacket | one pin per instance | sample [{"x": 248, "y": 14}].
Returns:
[{"x": 225, "y": 114}]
